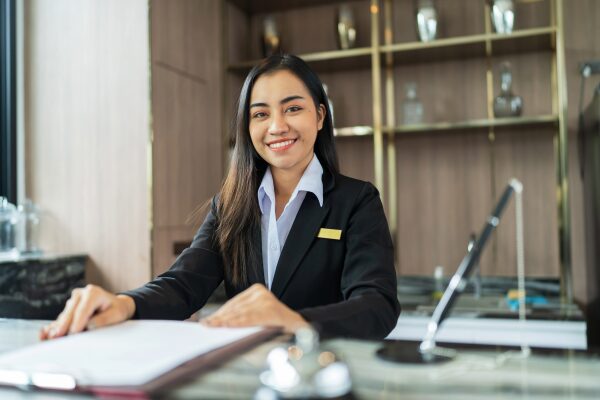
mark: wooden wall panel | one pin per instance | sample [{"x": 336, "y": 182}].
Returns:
[
  {"x": 186, "y": 105},
  {"x": 356, "y": 157},
  {"x": 184, "y": 147},
  {"x": 87, "y": 129},
  {"x": 164, "y": 239},
  {"x": 351, "y": 95},
  {"x": 443, "y": 196},
  {"x": 528, "y": 155}
]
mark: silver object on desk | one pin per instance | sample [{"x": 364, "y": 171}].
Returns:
[
  {"x": 426, "y": 20},
  {"x": 346, "y": 30},
  {"x": 304, "y": 370},
  {"x": 503, "y": 15}
]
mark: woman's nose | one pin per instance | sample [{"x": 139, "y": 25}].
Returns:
[{"x": 278, "y": 124}]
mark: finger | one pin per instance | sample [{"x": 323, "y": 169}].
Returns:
[
  {"x": 92, "y": 300},
  {"x": 228, "y": 310},
  {"x": 237, "y": 321},
  {"x": 63, "y": 322},
  {"x": 110, "y": 316},
  {"x": 43, "y": 335},
  {"x": 247, "y": 312},
  {"x": 252, "y": 292}
]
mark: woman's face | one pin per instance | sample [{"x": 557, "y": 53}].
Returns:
[{"x": 284, "y": 121}]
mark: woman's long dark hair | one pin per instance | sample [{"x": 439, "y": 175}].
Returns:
[{"x": 237, "y": 209}]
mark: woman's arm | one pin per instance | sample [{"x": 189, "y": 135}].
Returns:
[{"x": 185, "y": 287}]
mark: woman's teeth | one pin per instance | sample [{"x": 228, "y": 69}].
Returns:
[{"x": 281, "y": 144}]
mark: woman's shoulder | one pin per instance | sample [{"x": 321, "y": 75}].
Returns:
[{"x": 349, "y": 187}]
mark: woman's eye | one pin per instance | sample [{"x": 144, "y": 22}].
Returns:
[
  {"x": 259, "y": 114},
  {"x": 294, "y": 109}
]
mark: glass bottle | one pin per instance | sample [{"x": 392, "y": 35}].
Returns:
[
  {"x": 506, "y": 104},
  {"x": 8, "y": 221},
  {"x": 412, "y": 108},
  {"x": 29, "y": 221}
]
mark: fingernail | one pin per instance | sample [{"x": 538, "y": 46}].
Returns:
[
  {"x": 52, "y": 332},
  {"x": 91, "y": 325}
]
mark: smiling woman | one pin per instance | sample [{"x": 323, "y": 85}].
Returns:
[{"x": 294, "y": 241}]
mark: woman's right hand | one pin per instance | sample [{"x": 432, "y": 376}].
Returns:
[{"x": 89, "y": 308}]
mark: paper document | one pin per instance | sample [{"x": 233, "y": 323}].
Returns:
[{"x": 128, "y": 354}]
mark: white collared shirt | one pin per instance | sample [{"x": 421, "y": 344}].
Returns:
[{"x": 274, "y": 231}]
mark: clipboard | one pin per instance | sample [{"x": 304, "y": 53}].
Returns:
[{"x": 66, "y": 380}]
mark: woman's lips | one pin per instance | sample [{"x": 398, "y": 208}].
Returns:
[{"x": 283, "y": 145}]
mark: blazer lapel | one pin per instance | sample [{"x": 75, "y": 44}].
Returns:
[{"x": 303, "y": 232}]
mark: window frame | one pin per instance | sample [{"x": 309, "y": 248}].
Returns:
[{"x": 8, "y": 101}]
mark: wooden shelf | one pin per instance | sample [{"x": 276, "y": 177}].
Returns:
[
  {"x": 270, "y": 6},
  {"x": 324, "y": 61},
  {"x": 415, "y": 52},
  {"x": 541, "y": 120},
  {"x": 353, "y": 131},
  {"x": 540, "y": 39}
]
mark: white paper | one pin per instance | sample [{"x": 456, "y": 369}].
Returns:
[{"x": 128, "y": 354}]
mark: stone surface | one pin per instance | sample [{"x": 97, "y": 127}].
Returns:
[{"x": 38, "y": 287}]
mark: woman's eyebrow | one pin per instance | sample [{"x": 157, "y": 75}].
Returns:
[{"x": 282, "y": 101}]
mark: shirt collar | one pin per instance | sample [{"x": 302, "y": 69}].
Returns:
[{"x": 311, "y": 181}]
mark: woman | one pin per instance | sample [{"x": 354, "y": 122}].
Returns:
[{"x": 295, "y": 242}]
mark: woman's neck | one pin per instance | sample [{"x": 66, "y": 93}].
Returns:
[{"x": 285, "y": 182}]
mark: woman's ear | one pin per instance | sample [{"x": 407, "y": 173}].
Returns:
[{"x": 321, "y": 113}]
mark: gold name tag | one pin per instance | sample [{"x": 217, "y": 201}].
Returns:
[{"x": 334, "y": 234}]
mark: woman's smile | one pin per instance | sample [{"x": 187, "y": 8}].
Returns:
[{"x": 281, "y": 145}]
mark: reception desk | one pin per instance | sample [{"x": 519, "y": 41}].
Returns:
[{"x": 475, "y": 373}]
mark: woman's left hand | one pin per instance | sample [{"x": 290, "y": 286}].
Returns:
[{"x": 256, "y": 306}]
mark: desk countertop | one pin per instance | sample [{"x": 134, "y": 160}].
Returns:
[{"x": 473, "y": 374}]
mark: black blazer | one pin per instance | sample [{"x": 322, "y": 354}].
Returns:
[{"x": 344, "y": 287}]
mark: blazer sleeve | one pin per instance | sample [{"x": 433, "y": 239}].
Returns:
[
  {"x": 187, "y": 285},
  {"x": 370, "y": 308}
]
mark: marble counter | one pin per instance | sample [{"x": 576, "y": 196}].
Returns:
[{"x": 38, "y": 287}]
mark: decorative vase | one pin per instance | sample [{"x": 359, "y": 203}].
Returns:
[
  {"x": 507, "y": 104},
  {"x": 503, "y": 15},
  {"x": 426, "y": 20},
  {"x": 346, "y": 30},
  {"x": 271, "y": 43}
]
